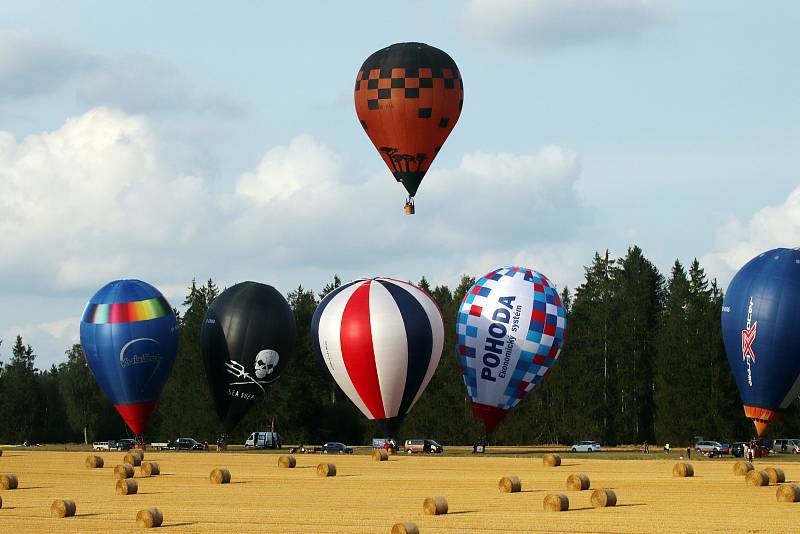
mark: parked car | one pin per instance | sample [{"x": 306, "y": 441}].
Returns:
[
  {"x": 786, "y": 445},
  {"x": 125, "y": 444},
  {"x": 333, "y": 447},
  {"x": 186, "y": 444},
  {"x": 737, "y": 450},
  {"x": 708, "y": 447},
  {"x": 586, "y": 446},
  {"x": 423, "y": 445},
  {"x": 263, "y": 440},
  {"x": 725, "y": 448}
]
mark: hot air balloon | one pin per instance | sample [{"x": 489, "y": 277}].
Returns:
[
  {"x": 408, "y": 98},
  {"x": 381, "y": 340},
  {"x": 247, "y": 337},
  {"x": 510, "y": 332},
  {"x": 129, "y": 335},
  {"x": 761, "y": 332}
]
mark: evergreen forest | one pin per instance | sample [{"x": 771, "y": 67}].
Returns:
[{"x": 643, "y": 361}]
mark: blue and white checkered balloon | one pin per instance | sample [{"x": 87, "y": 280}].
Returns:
[{"x": 510, "y": 332}]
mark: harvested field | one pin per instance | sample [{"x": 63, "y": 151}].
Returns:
[{"x": 266, "y": 498}]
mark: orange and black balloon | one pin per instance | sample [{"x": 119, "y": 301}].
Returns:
[{"x": 408, "y": 98}]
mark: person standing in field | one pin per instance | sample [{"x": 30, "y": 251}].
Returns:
[
  {"x": 666, "y": 447},
  {"x": 688, "y": 451}
]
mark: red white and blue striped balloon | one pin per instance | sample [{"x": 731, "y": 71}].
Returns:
[{"x": 381, "y": 340}]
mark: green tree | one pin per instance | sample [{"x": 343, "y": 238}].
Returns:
[{"x": 83, "y": 399}]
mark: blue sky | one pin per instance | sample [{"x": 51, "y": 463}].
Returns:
[{"x": 193, "y": 140}]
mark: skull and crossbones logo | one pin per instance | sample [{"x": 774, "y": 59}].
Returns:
[{"x": 265, "y": 363}]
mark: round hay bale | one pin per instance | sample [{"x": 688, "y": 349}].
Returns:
[
  {"x": 788, "y": 493},
  {"x": 757, "y": 478},
  {"x": 776, "y": 475},
  {"x": 551, "y": 460},
  {"x": 149, "y": 469},
  {"x": 149, "y": 518},
  {"x": 742, "y": 467},
  {"x": 556, "y": 502},
  {"x": 435, "y": 505},
  {"x": 407, "y": 527},
  {"x": 578, "y": 482},
  {"x": 137, "y": 452},
  {"x": 93, "y": 462},
  {"x": 326, "y": 470},
  {"x": 380, "y": 455},
  {"x": 122, "y": 471},
  {"x": 62, "y": 508},
  {"x": 220, "y": 476},
  {"x": 9, "y": 482},
  {"x": 134, "y": 459},
  {"x": 510, "y": 484},
  {"x": 287, "y": 461},
  {"x": 683, "y": 469},
  {"x": 602, "y": 498},
  {"x": 127, "y": 486}
]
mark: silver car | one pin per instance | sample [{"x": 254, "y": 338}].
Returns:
[
  {"x": 707, "y": 447},
  {"x": 586, "y": 446}
]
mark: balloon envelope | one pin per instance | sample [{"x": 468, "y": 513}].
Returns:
[
  {"x": 130, "y": 337},
  {"x": 408, "y": 98},
  {"x": 761, "y": 331},
  {"x": 247, "y": 337},
  {"x": 510, "y": 332},
  {"x": 381, "y": 340}
]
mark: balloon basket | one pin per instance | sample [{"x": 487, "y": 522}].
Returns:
[{"x": 409, "y": 207}]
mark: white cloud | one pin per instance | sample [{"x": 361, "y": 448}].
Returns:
[
  {"x": 31, "y": 66},
  {"x": 81, "y": 202},
  {"x": 740, "y": 241},
  {"x": 99, "y": 199},
  {"x": 551, "y": 24}
]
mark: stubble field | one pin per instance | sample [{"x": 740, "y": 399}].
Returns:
[{"x": 369, "y": 497}]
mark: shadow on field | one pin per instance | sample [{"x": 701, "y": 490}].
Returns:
[
  {"x": 88, "y": 515},
  {"x": 33, "y": 487},
  {"x": 584, "y": 508},
  {"x": 532, "y": 491},
  {"x": 176, "y": 525},
  {"x": 463, "y": 512},
  {"x": 350, "y": 475},
  {"x": 241, "y": 482}
]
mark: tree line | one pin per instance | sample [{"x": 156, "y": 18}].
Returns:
[{"x": 643, "y": 361}]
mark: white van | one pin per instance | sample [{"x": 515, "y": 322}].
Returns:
[
  {"x": 786, "y": 445},
  {"x": 263, "y": 440}
]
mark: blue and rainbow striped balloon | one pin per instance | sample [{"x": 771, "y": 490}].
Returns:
[{"x": 129, "y": 334}]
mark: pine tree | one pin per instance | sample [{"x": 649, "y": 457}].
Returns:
[{"x": 675, "y": 390}]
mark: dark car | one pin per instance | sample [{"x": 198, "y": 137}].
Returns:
[
  {"x": 737, "y": 449},
  {"x": 125, "y": 444},
  {"x": 186, "y": 444},
  {"x": 333, "y": 447}
]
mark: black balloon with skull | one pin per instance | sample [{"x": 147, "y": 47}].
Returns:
[{"x": 248, "y": 336}]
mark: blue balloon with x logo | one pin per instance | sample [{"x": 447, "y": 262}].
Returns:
[{"x": 761, "y": 331}]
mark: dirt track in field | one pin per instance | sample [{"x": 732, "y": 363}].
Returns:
[{"x": 369, "y": 497}]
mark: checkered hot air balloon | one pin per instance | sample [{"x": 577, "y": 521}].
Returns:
[
  {"x": 760, "y": 319},
  {"x": 129, "y": 335},
  {"x": 381, "y": 340},
  {"x": 510, "y": 331},
  {"x": 408, "y": 98}
]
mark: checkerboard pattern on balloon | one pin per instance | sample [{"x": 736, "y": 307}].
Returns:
[{"x": 541, "y": 346}]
